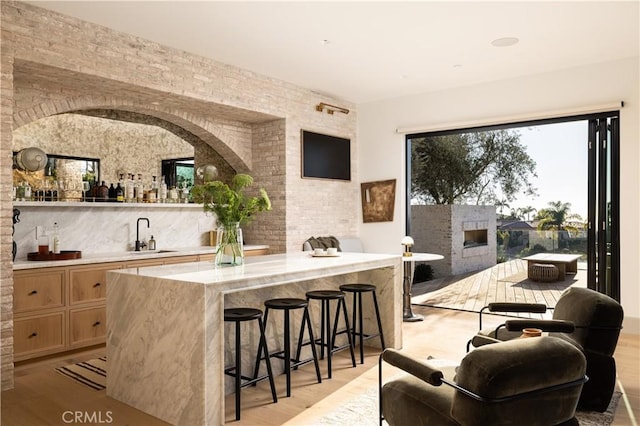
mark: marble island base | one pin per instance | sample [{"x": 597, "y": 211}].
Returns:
[{"x": 167, "y": 342}]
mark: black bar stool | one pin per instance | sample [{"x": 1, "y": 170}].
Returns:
[
  {"x": 286, "y": 305},
  {"x": 238, "y": 315},
  {"x": 328, "y": 335},
  {"x": 357, "y": 290}
]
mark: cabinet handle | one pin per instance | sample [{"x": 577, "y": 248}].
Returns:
[
  {"x": 34, "y": 334},
  {"x": 97, "y": 323},
  {"x": 96, "y": 285},
  {"x": 33, "y": 292}
]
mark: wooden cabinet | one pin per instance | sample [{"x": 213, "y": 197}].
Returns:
[
  {"x": 39, "y": 289},
  {"x": 89, "y": 284},
  {"x": 64, "y": 308},
  {"x": 87, "y": 326},
  {"x": 253, "y": 252},
  {"x": 256, "y": 252},
  {"x": 181, "y": 259},
  {"x": 38, "y": 334}
]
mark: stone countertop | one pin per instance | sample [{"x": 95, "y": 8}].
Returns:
[
  {"x": 265, "y": 270},
  {"x": 128, "y": 256}
]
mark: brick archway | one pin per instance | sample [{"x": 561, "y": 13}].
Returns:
[{"x": 230, "y": 144}]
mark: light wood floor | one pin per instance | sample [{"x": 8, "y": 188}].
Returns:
[{"x": 41, "y": 396}]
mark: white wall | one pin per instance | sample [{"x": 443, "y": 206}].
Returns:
[{"x": 382, "y": 152}]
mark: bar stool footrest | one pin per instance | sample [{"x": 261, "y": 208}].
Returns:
[{"x": 248, "y": 380}]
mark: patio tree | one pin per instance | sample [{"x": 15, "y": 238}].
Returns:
[
  {"x": 470, "y": 168},
  {"x": 527, "y": 211},
  {"x": 556, "y": 218},
  {"x": 501, "y": 204}
]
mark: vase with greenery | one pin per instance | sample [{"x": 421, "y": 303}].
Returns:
[{"x": 233, "y": 208}]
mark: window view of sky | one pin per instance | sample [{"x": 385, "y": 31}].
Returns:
[{"x": 560, "y": 153}]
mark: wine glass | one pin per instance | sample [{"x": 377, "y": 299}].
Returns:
[{"x": 85, "y": 189}]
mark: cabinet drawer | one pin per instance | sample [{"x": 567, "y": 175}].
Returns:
[
  {"x": 181, "y": 259},
  {"x": 87, "y": 325},
  {"x": 38, "y": 333},
  {"x": 34, "y": 291},
  {"x": 88, "y": 285},
  {"x": 144, "y": 263}
]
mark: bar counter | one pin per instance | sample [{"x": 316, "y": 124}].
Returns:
[{"x": 166, "y": 342}]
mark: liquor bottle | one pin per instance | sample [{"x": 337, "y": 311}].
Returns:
[
  {"x": 139, "y": 189},
  {"x": 153, "y": 194},
  {"x": 119, "y": 193},
  {"x": 129, "y": 189},
  {"x": 27, "y": 191},
  {"x": 101, "y": 192},
  {"x": 112, "y": 193},
  {"x": 163, "y": 190},
  {"x": 56, "y": 239}
]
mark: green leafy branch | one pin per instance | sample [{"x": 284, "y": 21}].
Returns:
[{"x": 230, "y": 203}]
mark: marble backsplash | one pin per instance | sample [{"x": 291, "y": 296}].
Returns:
[{"x": 110, "y": 228}]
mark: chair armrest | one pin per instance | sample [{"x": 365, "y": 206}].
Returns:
[
  {"x": 536, "y": 308},
  {"x": 417, "y": 368},
  {"x": 557, "y": 326},
  {"x": 481, "y": 340}
]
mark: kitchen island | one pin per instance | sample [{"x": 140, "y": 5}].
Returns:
[{"x": 166, "y": 340}]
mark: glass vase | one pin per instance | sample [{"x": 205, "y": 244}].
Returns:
[{"x": 229, "y": 245}]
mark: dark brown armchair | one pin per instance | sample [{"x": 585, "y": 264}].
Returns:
[
  {"x": 535, "y": 381},
  {"x": 589, "y": 320}
]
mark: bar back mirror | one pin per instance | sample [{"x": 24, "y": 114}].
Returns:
[{"x": 63, "y": 173}]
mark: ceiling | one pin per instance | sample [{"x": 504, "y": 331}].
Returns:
[{"x": 364, "y": 51}]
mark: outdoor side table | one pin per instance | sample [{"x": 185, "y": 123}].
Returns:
[{"x": 409, "y": 268}]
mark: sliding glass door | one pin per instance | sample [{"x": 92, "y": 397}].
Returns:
[
  {"x": 604, "y": 206},
  {"x": 445, "y": 167}
]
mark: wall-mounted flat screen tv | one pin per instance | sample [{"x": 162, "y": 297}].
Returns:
[{"x": 325, "y": 156}]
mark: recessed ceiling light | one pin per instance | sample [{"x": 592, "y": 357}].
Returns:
[
  {"x": 505, "y": 41},
  {"x": 325, "y": 41}
]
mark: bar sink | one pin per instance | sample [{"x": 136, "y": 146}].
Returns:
[{"x": 152, "y": 251}]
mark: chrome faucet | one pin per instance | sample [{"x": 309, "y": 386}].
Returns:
[{"x": 139, "y": 245}]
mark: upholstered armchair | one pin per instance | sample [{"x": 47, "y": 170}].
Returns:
[
  {"x": 533, "y": 381},
  {"x": 589, "y": 320},
  {"x": 345, "y": 244}
]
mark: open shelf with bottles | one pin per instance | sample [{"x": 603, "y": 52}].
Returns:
[{"x": 88, "y": 204}]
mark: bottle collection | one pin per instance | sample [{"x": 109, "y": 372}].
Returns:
[{"x": 129, "y": 190}]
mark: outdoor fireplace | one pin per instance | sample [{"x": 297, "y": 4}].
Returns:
[
  {"x": 475, "y": 238},
  {"x": 464, "y": 235}
]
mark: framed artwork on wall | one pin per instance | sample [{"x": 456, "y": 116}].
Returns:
[{"x": 378, "y": 200}]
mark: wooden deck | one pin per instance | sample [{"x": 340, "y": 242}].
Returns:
[{"x": 505, "y": 282}]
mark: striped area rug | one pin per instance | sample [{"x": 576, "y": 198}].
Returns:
[{"x": 92, "y": 373}]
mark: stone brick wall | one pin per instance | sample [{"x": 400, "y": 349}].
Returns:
[
  {"x": 6, "y": 212},
  {"x": 440, "y": 229},
  {"x": 54, "y": 64}
]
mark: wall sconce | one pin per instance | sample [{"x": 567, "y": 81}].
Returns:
[
  {"x": 407, "y": 242},
  {"x": 331, "y": 108}
]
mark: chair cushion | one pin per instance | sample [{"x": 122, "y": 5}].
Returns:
[
  {"x": 596, "y": 316},
  {"x": 321, "y": 242},
  {"x": 410, "y": 401},
  {"x": 351, "y": 244},
  {"x": 514, "y": 367},
  {"x": 345, "y": 244}
]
